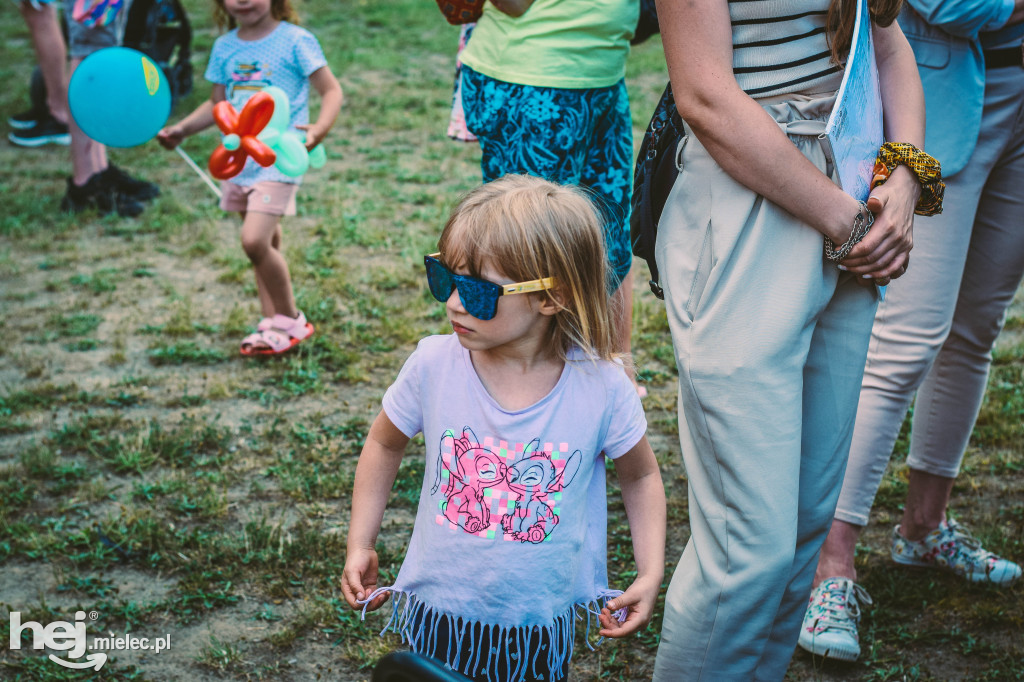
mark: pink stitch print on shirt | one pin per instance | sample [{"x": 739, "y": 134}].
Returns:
[
  {"x": 472, "y": 469},
  {"x": 492, "y": 490}
]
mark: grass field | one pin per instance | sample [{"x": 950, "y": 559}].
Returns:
[{"x": 151, "y": 476}]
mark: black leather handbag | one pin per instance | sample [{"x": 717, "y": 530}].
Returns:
[{"x": 653, "y": 177}]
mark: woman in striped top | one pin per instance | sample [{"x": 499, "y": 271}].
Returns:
[{"x": 770, "y": 337}]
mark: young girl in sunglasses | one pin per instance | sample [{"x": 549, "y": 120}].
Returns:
[{"x": 519, "y": 408}]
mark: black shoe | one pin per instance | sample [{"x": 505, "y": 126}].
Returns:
[
  {"x": 95, "y": 193},
  {"x": 46, "y": 131},
  {"x": 25, "y": 119},
  {"x": 137, "y": 189}
]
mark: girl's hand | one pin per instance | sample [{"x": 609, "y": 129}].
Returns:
[
  {"x": 884, "y": 254},
  {"x": 359, "y": 579},
  {"x": 314, "y": 135},
  {"x": 171, "y": 137},
  {"x": 638, "y": 600}
]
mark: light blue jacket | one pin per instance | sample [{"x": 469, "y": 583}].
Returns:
[{"x": 945, "y": 35}]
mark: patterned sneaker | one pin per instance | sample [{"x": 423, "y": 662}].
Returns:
[
  {"x": 830, "y": 624},
  {"x": 952, "y": 548}
]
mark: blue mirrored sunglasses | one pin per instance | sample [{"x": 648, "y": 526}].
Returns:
[{"x": 479, "y": 297}]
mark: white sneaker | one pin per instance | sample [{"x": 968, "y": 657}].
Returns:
[
  {"x": 953, "y": 548},
  {"x": 830, "y": 624}
]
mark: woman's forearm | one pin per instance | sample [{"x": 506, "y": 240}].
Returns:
[
  {"x": 900, "y": 85},
  {"x": 883, "y": 254},
  {"x": 736, "y": 131}
]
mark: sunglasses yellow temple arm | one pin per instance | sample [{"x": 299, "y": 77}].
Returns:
[{"x": 526, "y": 287}]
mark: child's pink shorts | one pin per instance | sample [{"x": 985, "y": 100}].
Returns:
[{"x": 274, "y": 198}]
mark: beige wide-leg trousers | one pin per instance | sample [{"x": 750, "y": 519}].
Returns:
[{"x": 770, "y": 341}]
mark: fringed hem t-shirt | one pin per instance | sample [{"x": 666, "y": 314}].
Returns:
[{"x": 510, "y": 531}]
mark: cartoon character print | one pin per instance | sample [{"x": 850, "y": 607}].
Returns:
[
  {"x": 507, "y": 487},
  {"x": 472, "y": 469},
  {"x": 534, "y": 476},
  {"x": 246, "y": 80}
]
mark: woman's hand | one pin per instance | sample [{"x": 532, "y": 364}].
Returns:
[
  {"x": 884, "y": 253},
  {"x": 638, "y": 600},
  {"x": 359, "y": 579}
]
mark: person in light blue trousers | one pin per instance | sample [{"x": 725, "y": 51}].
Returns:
[{"x": 933, "y": 334}]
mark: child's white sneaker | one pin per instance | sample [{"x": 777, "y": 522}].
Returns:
[
  {"x": 951, "y": 547},
  {"x": 830, "y": 623}
]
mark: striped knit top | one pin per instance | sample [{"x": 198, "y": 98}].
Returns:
[{"x": 780, "y": 46}]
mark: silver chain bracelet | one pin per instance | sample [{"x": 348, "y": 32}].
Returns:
[{"x": 861, "y": 224}]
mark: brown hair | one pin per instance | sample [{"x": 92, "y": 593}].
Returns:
[
  {"x": 282, "y": 10},
  {"x": 528, "y": 228},
  {"x": 842, "y": 15}
]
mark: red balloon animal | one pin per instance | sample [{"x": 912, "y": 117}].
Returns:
[{"x": 240, "y": 131}]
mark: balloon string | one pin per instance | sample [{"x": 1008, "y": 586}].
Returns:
[{"x": 198, "y": 170}]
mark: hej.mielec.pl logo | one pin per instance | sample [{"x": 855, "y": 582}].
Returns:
[{"x": 71, "y": 637}]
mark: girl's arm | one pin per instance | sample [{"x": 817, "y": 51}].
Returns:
[
  {"x": 644, "y": 496},
  {"x": 375, "y": 474},
  {"x": 200, "y": 119},
  {"x": 740, "y": 135},
  {"x": 884, "y": 251},
  {"x": 331, "y": 99}
]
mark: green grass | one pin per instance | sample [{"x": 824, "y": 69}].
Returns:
[{"x": 151, "y": 474}]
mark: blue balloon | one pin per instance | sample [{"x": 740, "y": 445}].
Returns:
[{"x": 119, "y": 97}]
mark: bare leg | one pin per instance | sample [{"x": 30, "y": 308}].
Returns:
[
  {"x": 927, "y": 499},
  {"x": 88, "y": 156},
  {"x": 261, "y": 241},
  {"x": 51, "y": 54},
  {"x": 838, "y": 552},
  {"x": 266, "y": 303}
]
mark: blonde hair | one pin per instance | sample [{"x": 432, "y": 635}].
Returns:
[
  {"x": 528, "y": 228},
  {"x": 282, "y": 10}
]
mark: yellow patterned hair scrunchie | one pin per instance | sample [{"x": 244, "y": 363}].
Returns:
[{"x": 924, "y": 166}]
